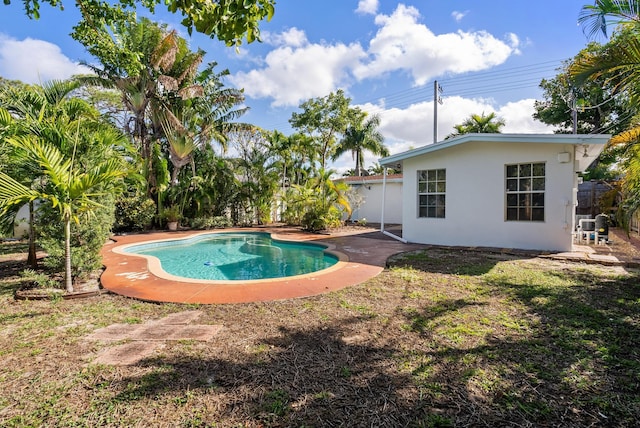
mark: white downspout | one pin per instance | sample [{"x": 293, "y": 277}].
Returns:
[{"x": 384, "y": 194}]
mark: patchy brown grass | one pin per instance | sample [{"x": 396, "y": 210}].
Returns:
[{"x": 440, "y": 338}]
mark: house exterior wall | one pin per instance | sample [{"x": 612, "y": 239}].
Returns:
[
  {"x": 21, "y": 222},
  {"x": 371, "y": 207},
  {"x": 475, "y": 197}
]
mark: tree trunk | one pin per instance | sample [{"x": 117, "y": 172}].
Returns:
[
  {"x": 67, "y": 254},
  {"x": 32, "y": 259}
]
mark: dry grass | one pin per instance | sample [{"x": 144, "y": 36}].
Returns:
[{"x": 444, "y": 338}]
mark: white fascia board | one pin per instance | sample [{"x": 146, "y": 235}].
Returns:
[{"x": 575, "y": 139}]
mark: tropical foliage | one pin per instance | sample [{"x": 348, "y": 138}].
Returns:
[
  {"x": 596, "y": 105},
  {"x": 228, "y": 20},
  {"x": 325, "y": 119},
  {"x": 68, "y": 160},
  {"x": 618, "y": 64},
  {"x": 478, "y": 124},
  {"x": 154, "y": 135},
  {"x": 358, "y": 137}
]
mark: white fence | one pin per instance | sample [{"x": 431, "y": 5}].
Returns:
[{"x": 635, "y": 223}]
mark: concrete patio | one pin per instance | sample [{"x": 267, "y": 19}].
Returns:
[{"x": 364, "y": 252}]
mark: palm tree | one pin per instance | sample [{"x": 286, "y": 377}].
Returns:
[
  {"x": 151, "y": 68},
  {"x": 603, "y": 13},
  {"x": 360, "y": 137},
  {"x": 29, "y": 105},
  {"x": 478, "y": 124},
  {"x": 72, "y": 191},
  {"x": 619, "y": 64}
]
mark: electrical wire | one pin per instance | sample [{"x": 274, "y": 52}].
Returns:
[{"x": 478, "y": 84}]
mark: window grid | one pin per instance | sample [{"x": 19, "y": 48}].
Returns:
[
  {"x": 525, "y": 188},
  {"x": 432, "y": 186}
]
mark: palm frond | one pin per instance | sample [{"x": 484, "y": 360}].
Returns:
[
  {"x": 55, "y": 91},
  {"x": 619, "y": 64},
  {"x": 629, "y": 136},
  {"x": 5, "y": 117},
  {"x": 598, "y": 17},
  {"x": 164, "y": 54}
]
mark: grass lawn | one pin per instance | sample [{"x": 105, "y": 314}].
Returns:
[{"x": 440, "y": 338}]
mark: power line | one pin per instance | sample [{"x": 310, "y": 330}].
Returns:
[{"x": 470, "y": 85}]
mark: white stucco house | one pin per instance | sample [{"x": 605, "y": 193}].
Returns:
[
  {"x": 494, "y": 190},
  {"x": 370, "y": 190},
  {"x": 21, "y": 222}
]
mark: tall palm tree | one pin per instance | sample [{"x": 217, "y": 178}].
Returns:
[
  {"x": 151, "y": 67},
  {"x": 479, "y": 124},
  {"x": 33, "y": 107},
  {"x": 360, "y": 137},
  {"x": 71, "y": 190}
]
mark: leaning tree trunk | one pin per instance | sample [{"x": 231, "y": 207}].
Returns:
[
  {"x": 32, "y": 259},
  {"x": 67, "y": 254}
]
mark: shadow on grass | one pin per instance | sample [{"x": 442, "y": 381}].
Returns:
[
  {"x": 304, "y": 378},
  {"x": 10, "y": 280},
  {"x": 558, "y": 349},
  {"x": 13, "y": 247},
  {"x": 452, "y": 261},
  {"x": 565, "y": 372}
]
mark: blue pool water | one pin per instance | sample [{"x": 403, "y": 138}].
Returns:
[{"x": 236, "y": 256}]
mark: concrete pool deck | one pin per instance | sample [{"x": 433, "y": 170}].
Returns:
[
  {"x": 367, "y": 250},
  {"x": 366, "y": 256}
]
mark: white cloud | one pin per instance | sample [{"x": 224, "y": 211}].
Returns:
[
  {"x": 518, "y": 118},
  {"x": 402, "y": 43},
  {"x": 35, "y": 61},
  {"x": 299, "y": 70},
  {"x": 367, "y": 7},
  {"x": 413, "y": 126},
  {"x": 292, "y": 37},
  {"x": 457, "y": 15}
]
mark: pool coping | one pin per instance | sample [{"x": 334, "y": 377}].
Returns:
[
  {"x": 155, "y": 268},
  {"x": 129, "y": 275}
]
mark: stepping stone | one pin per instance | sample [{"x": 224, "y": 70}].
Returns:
[
  {"x": 195, "y": 332},
  {"x": 154, "y": 332},
  {"x": 127, "y": 354},
  {"x": 115, "y": 332}
]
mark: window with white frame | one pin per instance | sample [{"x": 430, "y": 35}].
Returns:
[
  {"x": 432, "y": 186},
  {"x": 525, "y": 187}
]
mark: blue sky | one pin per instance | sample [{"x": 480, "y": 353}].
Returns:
[{"x": 488, "y": 56}]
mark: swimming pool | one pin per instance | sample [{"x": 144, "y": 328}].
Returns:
[{"x": 235, "y": 256}]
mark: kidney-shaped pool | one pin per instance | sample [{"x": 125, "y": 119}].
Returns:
[{"x": 235, "y": 256}]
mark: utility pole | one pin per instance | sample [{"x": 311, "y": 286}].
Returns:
[
  {"x": 574, "y": 112},
  {"x": 437, "y": 91}
]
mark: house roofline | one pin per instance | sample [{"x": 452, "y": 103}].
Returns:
[
  {"x": 575, "y": 139},
  {"x": 370, "y": 178}
]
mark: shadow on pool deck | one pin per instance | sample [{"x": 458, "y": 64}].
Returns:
[{"x": 130, "y": 276}]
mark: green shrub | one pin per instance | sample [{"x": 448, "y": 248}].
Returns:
[
  {"x": 134, "y": 213},
  {"x": 321, "y": 218},
  {"x": 215, "y": 222},
  {"x": 40, "y": 280},
  {"x": 87, "y": 238}
]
